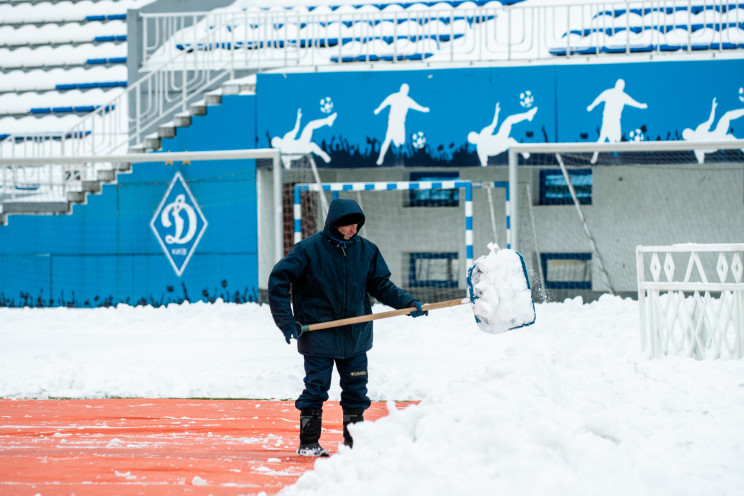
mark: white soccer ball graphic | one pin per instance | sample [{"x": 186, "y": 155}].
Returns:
[
  {"x": 526, "y": 99},
  {"x": 741, "y": 94},
  {"x": 419, "y": 140},
  {"x": 637, "y": 135},
  {"x": 326, "y": 105}
]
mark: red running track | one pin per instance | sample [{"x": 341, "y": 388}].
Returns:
[{"x": 156, "y": 446}]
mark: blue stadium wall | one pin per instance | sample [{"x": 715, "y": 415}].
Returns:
[
  {"x": 107, "y": 251},
  {"x": 677, "y": 95}
]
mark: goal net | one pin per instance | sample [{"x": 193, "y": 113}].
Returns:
[
  {"x": 422, "y": 220},
  {"x": 427, "y": 259},
  {"x": 575, "y": 211},
  {"x": 584, "y": 207}
]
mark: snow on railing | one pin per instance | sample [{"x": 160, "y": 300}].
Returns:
[{"x": 255, "y": 38}]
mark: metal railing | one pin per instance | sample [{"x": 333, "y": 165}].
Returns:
[{"x": 466, "y": 33}]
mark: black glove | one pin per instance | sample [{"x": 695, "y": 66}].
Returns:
[
  {"x": 419, "y": 311},
  {"x": 290, "y": 332}
]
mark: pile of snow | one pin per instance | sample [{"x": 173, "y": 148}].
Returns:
[
  {"x": 565, "y": 406},
  {"x": 500, "y": 291}
]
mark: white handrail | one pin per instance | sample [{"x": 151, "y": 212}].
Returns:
[{"x": 248, "y": 153}]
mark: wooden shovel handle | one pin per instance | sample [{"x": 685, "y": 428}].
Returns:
[{"x": 381, "y": 315}]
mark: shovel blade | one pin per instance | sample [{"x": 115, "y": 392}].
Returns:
[{"x": 499, "y": 291}]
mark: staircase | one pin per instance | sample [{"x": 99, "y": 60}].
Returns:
[
  {"x": 152, "y": 142},
  {"x": 78, "y": 190},
  {"x": 76, "y": 194}
]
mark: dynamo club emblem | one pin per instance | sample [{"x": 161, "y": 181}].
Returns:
[{"x": 178, "y": 224}]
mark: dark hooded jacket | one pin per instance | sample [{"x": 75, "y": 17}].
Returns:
[{"x": 331, "y": 279}]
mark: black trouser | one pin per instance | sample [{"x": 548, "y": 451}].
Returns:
[{"x": 318, "y": 372}]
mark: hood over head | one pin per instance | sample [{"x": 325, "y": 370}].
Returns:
[{"x": 343, "y": 212}]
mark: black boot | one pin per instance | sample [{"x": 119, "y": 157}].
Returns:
[
  {"x": 351, "y": 416},
  {"x": 311, "y": 421}
]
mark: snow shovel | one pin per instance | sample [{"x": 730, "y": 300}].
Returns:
[
  {"x": 498, "y": 290},
  {"x": 381, "y": 315}
]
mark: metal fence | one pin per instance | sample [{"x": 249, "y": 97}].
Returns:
[{"x": 691, "y": 300}]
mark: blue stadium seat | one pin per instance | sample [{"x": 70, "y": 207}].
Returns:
[
  {"x": 108, "y": 17},
  {"x": 109, "y": 38},
  {"x": 695, "y": 27},
  {"x": 425, "y": 22},
  {"x": 43, "y": 135},
  {"x": 110, "y": 60}
]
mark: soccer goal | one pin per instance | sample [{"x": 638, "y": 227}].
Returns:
[
  {"x": 582, "y": 208},
  {"x": 429, "y": 222},
  {"x": 428, "y": 255}
]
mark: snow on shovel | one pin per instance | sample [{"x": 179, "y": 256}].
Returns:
[{"x": 498, "y": 289}]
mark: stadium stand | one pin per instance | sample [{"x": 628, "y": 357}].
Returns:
[
  {"x": 59, "y": 59},
  {"x": 63, "y": 61},
  {"x": 361, "y": 33},
  {"x": 365, "y": 33},
  {"x": 701, "y": 26},
  {"x": 69, "y": 57}
]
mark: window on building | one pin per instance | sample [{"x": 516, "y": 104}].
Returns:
[
  {"x": 432, "y": 270},
  {"x": 567, "y": 270},
  {"x": 434, "y": 197},
  {"x": 554, "y": 191}
]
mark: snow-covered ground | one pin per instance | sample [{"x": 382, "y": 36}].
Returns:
[{"x": 565, "y": 406}]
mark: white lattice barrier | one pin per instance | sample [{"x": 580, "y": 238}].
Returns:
[{"x": 691, "y": 300}]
